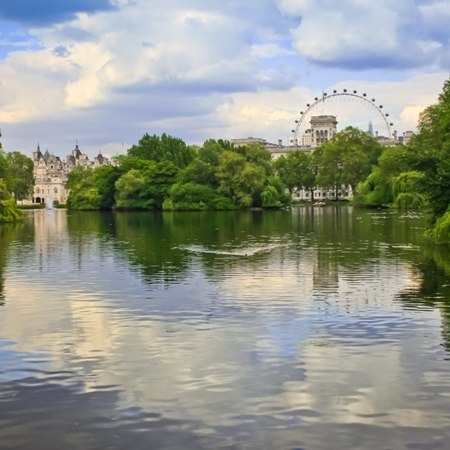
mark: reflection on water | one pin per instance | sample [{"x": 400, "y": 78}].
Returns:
[{"x": 315, "y": 328}]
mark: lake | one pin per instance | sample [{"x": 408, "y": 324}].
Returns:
[{"x": 309, "y": 329}]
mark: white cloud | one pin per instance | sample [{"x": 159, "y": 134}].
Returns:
[
  {"x": 212, "y": 69},
  {"x": 361, "y": 34}
]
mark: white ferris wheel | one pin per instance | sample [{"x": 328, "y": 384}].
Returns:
[{"x": 350, "y": 109}]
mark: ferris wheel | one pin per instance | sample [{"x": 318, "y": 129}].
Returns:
[{"x": 350, "y": 109}]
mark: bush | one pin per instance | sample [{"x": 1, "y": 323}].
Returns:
[
  {"x": 194, "y": 197},
  {"x": 407, "y": 200},
  {"x": 440, "y": 233}
]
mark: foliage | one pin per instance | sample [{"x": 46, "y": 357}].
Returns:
[
  {"x": 3, "y": 165},
  {"x": 92, "y": 189},
  {"x": 441, "y": 230},
  {"x": 431, "y": 147},
  {"x": 163, "y": 173},
  {"x": 199, "y": 172},
  {"x": 192, "y": 196},
  {"x": 296, "y": 170},
  {"x": 105, "y": 181},
  {"x": 147, "y": 187},
  {"x": 378, "y": 188},
  {"x": 239, "y": 179},
  {"x": 346, "y": 159},
  {"x": 405, "y": 189},
  {"x": 164, "y": 148},
  {"x": 8, "y": 208},
  {"x": 19, "y": 177},
  {"x": 274, "y": 194}
]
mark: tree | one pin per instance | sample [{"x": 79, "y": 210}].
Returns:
[
  {"x": 8, "y": 207},
  {"x": 82, "y": 191},
  {"x": 274, "y": 194},
  {"x": 296, "y": 170},
  {"x": 199, "y": 172},
  {"x": 146, "y": 187},
  {"x": 105, "y": 178},
  {"x": 240, "y": 180},
  {"x": 378, "y": 188},
  {"x": 3, "y": 164},
  {"x": 346, "y": 159},
  {"x": 19, "y": 177},
  {"x": 164, "y": 148},
  {"x": 406, "y": 190},
  {"x": 431, "y": 147}
]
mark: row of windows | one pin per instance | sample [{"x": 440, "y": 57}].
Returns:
[
  {"x": 42, "y": 191},
  {"x": 325, "y": 194}
]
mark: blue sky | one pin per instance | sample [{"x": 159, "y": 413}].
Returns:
[{"x": 104, "y": 72}]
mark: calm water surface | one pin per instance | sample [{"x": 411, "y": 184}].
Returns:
[{"x": 316, "y": 328}]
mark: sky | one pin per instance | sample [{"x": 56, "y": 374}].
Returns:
[{"x": 101, "y": 73}]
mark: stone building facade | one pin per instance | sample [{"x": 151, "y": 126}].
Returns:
[{"x": 50, "y": 174}]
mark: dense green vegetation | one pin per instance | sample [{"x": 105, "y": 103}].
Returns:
[
  {"x": 16, "y": 183},
  {"x": 164, "y": 173}
]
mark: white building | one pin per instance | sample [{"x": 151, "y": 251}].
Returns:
[{"x": 50, "y": 174}]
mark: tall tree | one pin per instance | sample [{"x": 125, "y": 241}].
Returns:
[
  {"x": 20, "y": 178},
  {"x": 296, "y": 170},
  {"x": 163, "y": 148},
  {"x": 239, "y": 179},
  {"x": 431, "y": 147},
  {"x": 346, "y": 159}
]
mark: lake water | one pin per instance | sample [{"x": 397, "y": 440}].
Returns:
[{"x": 316, "y": 328}]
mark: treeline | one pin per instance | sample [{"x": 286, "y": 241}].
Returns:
[
  {"x": 16, "y": 183},
  {"x": 163, "y": 173}
]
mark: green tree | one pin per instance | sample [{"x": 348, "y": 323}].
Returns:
[
  {"x": 105, "y": 178},
  {"x": 431, "y": 147},
  {"x": 146, "y": 187},
  {"x": 19, "y": 177},
  {"x": 378, "y": 188},
  {"x": 346, "y": 159},
  {"x": 240, "y": 180},
  {"x": 8, "y": 208},
  {"x": 406, "y": 190},
  {"x": 163, "y": 148},
  {"x": 274, "y": 194},
  {"x": 199, "y": 172},
  {"x": 296, "y": 170},
  {"x": 82, "y": 191},
  {"x": 3, "y": 165},
  {"x": 131, "y": 191}
]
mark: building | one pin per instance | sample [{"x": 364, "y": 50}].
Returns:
[
  {"x": 323, "y": 128},
  {"x": 50, "y": 173}
]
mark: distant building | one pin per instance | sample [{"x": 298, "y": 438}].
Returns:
[
  {"x": 323, "y": 128},
  {"x": 407, "y": 135},
  {"x": 50, "y": 173}
]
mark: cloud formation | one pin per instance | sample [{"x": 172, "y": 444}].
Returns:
[
  {"x": 108, "y": 71},
  {"x": 355, "y": 34}
]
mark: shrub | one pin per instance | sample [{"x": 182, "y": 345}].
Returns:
[{"x": 440, "y": 233}]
